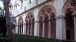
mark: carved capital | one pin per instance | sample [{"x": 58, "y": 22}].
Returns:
[{"x": 74, "y": 15}]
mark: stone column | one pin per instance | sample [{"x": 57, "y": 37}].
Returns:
[
  {"x": 60, "y": 28},
  {"x": 49, "y": 28},
  {"x": 24, "y": 28},
  {"x": 31, "y": 29},
  {"x": 28, "y": 29},
  {"x": 75, "y": 27},
  {"x": 16, "y": 29},
  {"x": 36, "y": 28},
  {"x": 43, "y": 29}
]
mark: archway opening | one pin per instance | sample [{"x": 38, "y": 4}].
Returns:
[
  {"x": 30, "y": 24},
  {"x": 26, "y": 27},
  {"x": 40, "y": 26},
  {"x": 20, "y": 25},
  {"x": 69, "y": 25},
  {"x": 47, "y": 22},
  {"x": 53, "y": 26}
]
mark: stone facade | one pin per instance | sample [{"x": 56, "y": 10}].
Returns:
[{"x": 49, "y": 19}]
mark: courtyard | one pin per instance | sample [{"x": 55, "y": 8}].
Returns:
[
  {"x": 38, "y": 21},
  {"x": 25, "y": 38}
]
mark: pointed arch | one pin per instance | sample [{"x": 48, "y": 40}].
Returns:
[
  {"x": 69, "y": 11},
  {"x": 30, "y": 24},
  {"x": 46, "y": 17},
  {"x": 67, "y": 5},
  {"x": 20, "y": 25}
]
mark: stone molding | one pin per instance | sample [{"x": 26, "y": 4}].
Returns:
[{"x": 60, "y": 17}]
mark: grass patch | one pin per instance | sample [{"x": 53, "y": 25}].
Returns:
[
  {"x": 22, "y": 38},
  {"x": 25, "y": 38}
]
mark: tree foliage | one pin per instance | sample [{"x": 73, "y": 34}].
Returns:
[{"x": 3, "y": 25}]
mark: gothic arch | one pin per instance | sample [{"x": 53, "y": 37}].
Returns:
[
  {"x": 29, "y": 24},
  {"x": 69, "y": 24},
  {"x": 49, "y": 8},
  {"x": 67, "y": 5},
  {"x": 69, "y": 11},
  {"x": 20, "y": 25},
  {"x": 46, "y": 17}
]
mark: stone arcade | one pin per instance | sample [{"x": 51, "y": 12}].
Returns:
[{"x": 49, "y": 19}]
